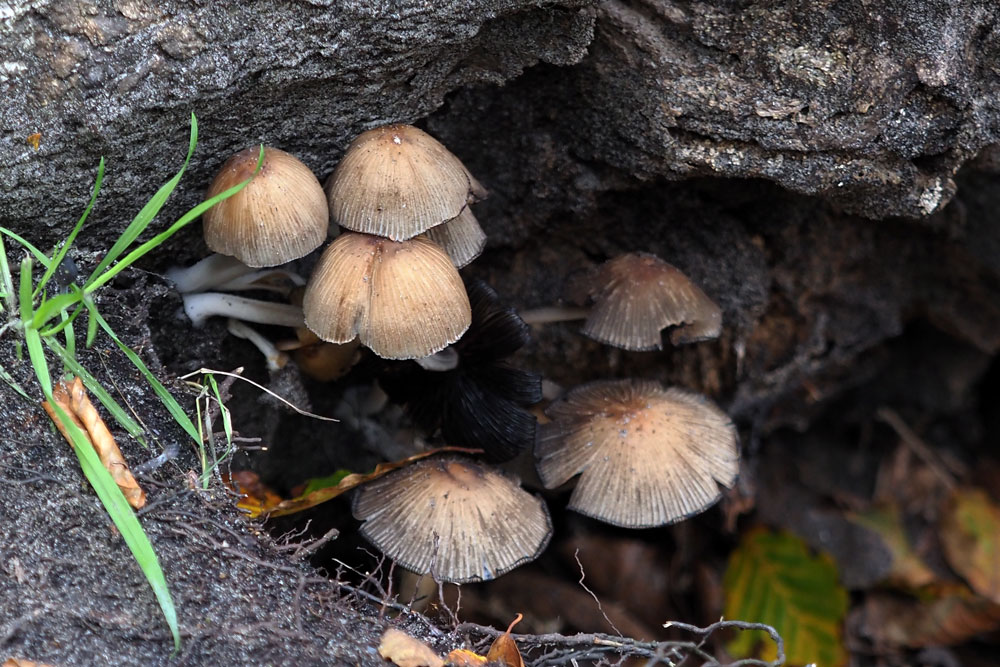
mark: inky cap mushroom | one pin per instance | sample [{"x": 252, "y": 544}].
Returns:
[
  {"x": 647, "y": 456},
  {"x": 279, "y": 216},
  {"x": 398, "y": 181},
  {"x": 402, "y": 300},
  {"x": 462, "y": 238},
  {"x": 637, "y": 295},
  {"x": 481, "y": 401},
  {"x": 455, "y": 519}
]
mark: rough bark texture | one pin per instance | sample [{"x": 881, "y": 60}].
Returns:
[{"x": 598, "y": 131}]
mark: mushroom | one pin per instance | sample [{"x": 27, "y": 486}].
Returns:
[
  {"x": 279, "y": 216},
  {"x": 646, "y": 455},
  {"x": 462, "y": 238},
  {"x": 403, "y": 300},
  {"x": 455, "y": 519},
  {"x": 398, "y": 181},
  {"x": 203, "y": 305},
  {"x": 479, "y": 401},
  {"x": 225, "y": 273},
  {"x": 635, "y": 296}
]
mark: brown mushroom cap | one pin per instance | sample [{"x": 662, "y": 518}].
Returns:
[
  {"x": 637, "y": 295},
  {"x": 462, "y": 238},
  {"x": 397, "y": 181},
  {"x": 403, "y": 300},
  {"x": 646, "y": 455},
  {"x": 456, "y": 519},
  {"x": 279, "y": 216}
]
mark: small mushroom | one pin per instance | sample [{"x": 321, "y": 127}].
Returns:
[
  {"x": 403, "y": 300},
  {"x": 646, "y": 455},
  {"x": 462, "y": 238},
  {"x": 455, "y": 519},
  {"x": 202, "y": 305},
  {"x": 398, "y": 181},
  {"x": 228, "y": 274},
  {"x": 635, "y": 296},
  {"x": 279, "y": 216},
  {"x": 477, "y": 399}
]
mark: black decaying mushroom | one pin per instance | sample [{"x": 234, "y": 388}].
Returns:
[
  {"x": 646, "y": 455},
  {"x": 454, "y": 519},
  {"x": 481, "y": 401}
]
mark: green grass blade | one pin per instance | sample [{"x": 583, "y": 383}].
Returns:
[
  {"x": 148, "y": 212},
  {"x": 183, "y": 221},
  {"x": 42, "y": 258},
  {"x": 6, "y": 281},
  {"x": 49, "y": 308},
  {"x": 117, "y": 411},
  {"x": 173, "y": 407},
  {"x": 70, "y": 335},
  {"x": 66, "y": 322},
  {"x": 91, "y": 322},
  {"x": 61, "y": 254},
  {"x": 9, "y": 379},
  {"x": 124, "y": 518}
]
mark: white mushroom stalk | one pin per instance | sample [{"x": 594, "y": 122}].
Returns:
[
  {"x": 276, "y": 359},
  {"x": 201, "y": 306},
  {"x": 553, "y": 314},
  {"x": 445, "y": 360},
  {"x": 225, "y": 273}
]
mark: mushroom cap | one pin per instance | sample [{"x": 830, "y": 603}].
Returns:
[
  {"x": 456, "y": 519},
  {"x": 462, "y": 238},
  {"x": 279, "y": 216},
  {"x": 481, "y": 401},
  {"x": 637, "y": 295},
  {"x": 398, "y": 181},
  {"x": 647, "y": 456},
  {"x": 403, "y": 300}
]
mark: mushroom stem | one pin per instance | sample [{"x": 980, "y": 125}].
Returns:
[
  {"x": 199, "y": 307},
  {"x": 445, "y": 360},
  {"x": 224, "y": 273},
  {"x": 210, "y": 272},
  {"x": 551, "y": 314},
  {"x": 276, "y": 359}
]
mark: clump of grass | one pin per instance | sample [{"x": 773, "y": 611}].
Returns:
[{"x": 42, "y": 321}]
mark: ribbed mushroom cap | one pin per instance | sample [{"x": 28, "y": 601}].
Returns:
[
  {"x": 462, "y": 238},
  {"x": 648, "y": 455},
  {"x": 398, "y": 181},
  {"x": 637, "y": 295},
  {"x": 456, "y": 519},
  {"x": 402, "y": 300},
  {"x": 279, "y": 216}
]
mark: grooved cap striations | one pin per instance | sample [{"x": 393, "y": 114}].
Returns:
[
  {"x": 403, "y": 300},
  {"x": 397, "y": 181},
  {"x": 646, "y": 455},
  {"x": 462, "y": 238},
  {"x": 637, "y": 295},
  {"x": 455, "y": 519},
  {"x": 279, "y": 216}
]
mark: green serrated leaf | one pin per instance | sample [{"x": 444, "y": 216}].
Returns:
[{"x": 772, "y": 578}]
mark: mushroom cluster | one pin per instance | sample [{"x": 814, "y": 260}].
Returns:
[{"x": 399, "y": 206}]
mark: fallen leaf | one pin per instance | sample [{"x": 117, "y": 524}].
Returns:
[
  {"x": 257, "y": 496},
  {"x": 17, "y": 662},
  {"x": 461, "y": 657},
  {"x": 348, "y": 482},
  {"x": 970, "y": 535},
  {"x": 34, "y": 139},
  {"x": 772, "y": 578},
  {"x": 72, "y": 398},
  {"x": 942, "y": 615},
  {"x": 907, "y": 569},
  {"x": 407, "y": 651},
  {"x": 503, "y": 651}
]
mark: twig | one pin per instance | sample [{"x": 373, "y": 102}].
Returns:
[
  {"x": 917, "y": 445},
  {"x": 576, "y": 557},
  {"x": 209, "y": 371}
]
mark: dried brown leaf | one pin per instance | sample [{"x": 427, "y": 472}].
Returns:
[
  {"x": 944, "y": 615},
  {"x": 970, "y": 534},
  {"x": 504, "y": 651},
  {"x": 461, "y": 657},
  {"x": 73, "y": 400},
  {"x": 407, "y": 651}
]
